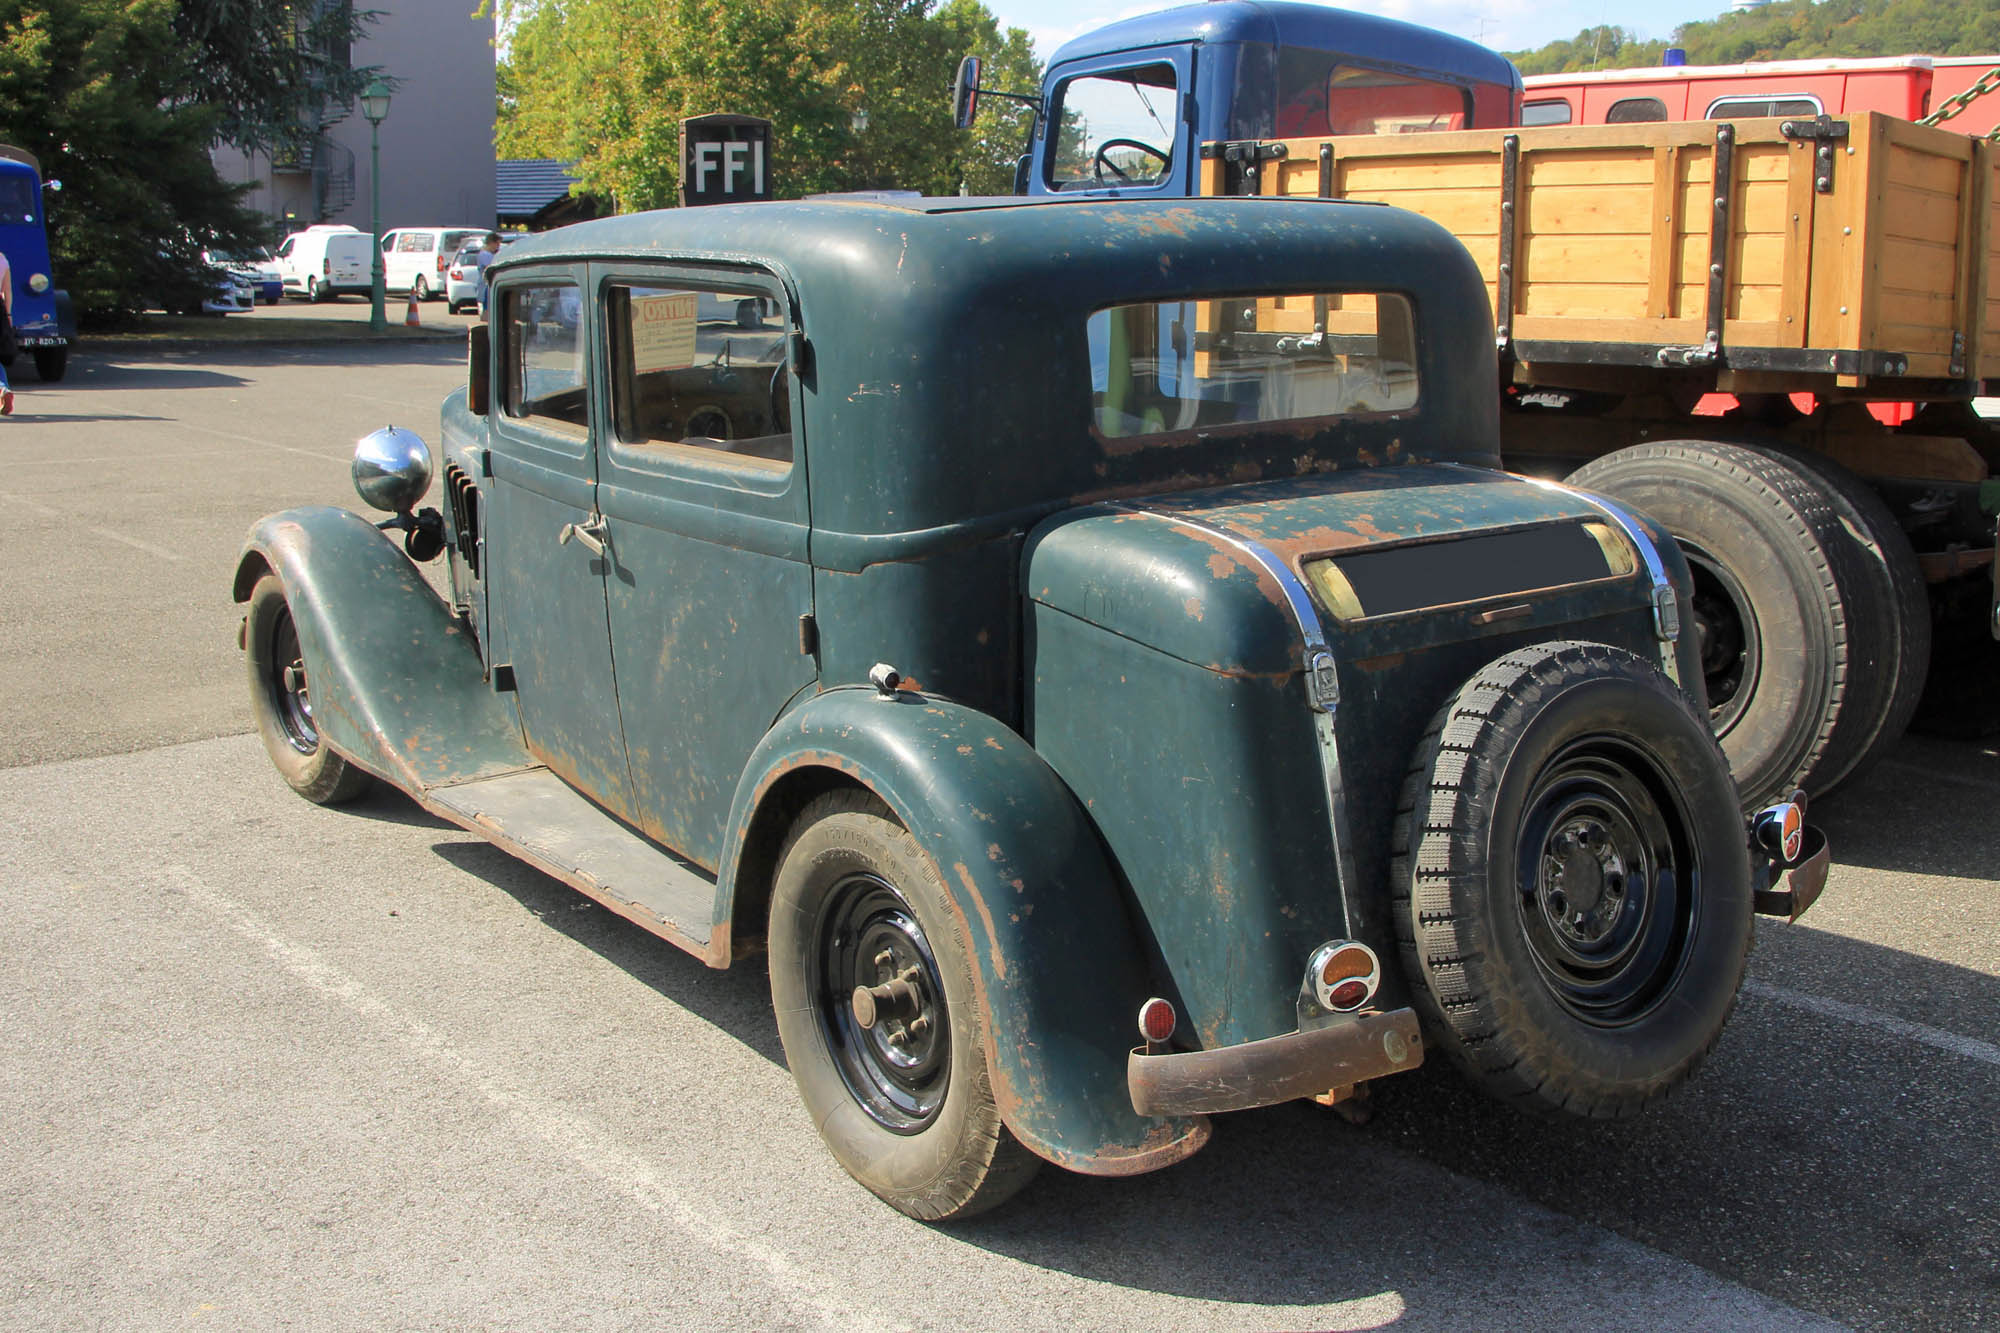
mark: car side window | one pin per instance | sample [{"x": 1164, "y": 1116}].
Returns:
[
  {"x": 1114, "y": 128},
  {"x": 409, "y": 243},
  {"x": 701, "y": 371},
  {"x": 541, "y": 326},
  {"x": 1556, "y": 112},
  {"x": 285, "y": 250},
  {"x": 1796, "y": 104}
]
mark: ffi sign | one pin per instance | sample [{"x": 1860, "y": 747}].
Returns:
[{"x": 725, "y": 159}]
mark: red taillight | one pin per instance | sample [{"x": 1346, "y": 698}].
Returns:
[
  {"x": 1348, "y": 994},
  {"x": 326, "y": 266},
  {"x": 1156, "y": 1021},
  {"x": 443, "y": 263}
]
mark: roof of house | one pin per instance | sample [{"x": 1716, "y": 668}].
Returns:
[{"x": 526, "y": 185}]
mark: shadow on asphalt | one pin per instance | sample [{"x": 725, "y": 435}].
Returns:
[
  {"x": 1839, "y": 1167},
  {"x": 151, "y": 377},
  {"x": 1926, "y": 809}
]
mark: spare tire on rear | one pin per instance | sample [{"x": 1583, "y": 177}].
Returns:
[{"x": 1573, "y": 881}]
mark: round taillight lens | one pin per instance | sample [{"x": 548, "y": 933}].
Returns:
[
  {"x": 1156, "y": 1020},
  {"x": 38, "y": 283},
  {"x": 1344, "y": 975},
  {"x": 1349, "y": 994}
]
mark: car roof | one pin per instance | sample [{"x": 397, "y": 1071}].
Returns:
[{"x": 928, "y": 319}]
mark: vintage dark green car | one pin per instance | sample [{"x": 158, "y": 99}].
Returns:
[{"x": 1043, "y": 622}]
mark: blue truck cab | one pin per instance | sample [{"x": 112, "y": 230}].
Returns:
[
  {"x": 1127, "y": 108},
  {"x": 43, "y": 322}
]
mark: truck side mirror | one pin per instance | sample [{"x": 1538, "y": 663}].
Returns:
[
  {"x": 965, "y": 93},
  {"x": 478, "y": 368}
]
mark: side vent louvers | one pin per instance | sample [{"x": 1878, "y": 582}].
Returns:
[{"x": 464, "y": 493}]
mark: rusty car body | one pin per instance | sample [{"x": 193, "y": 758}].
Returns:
[{"x": 1059, "y": 648}]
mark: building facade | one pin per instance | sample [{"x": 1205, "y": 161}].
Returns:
[{"x": 437, "y": 140}]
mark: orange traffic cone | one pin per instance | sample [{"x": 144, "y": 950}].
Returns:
[{"x": 410, "y": 317}]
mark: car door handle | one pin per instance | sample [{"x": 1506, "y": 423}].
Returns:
[{"x": 588, "y": 534}]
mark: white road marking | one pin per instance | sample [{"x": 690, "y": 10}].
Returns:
[
  {"x": 404, "y": 403},
  {"x": 1971, "y": 1048},
  {"x": 577, "y": 1138},
  {"x": 106, "y": 533}
]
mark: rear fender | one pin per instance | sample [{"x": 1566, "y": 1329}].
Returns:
[
  {"x": 1060, "y": 966},
  {"x": 397, "y": 684}
]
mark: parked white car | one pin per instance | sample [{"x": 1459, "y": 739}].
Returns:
[
  {"x": 461, "y": 287},
  {"x": 326, "y": 261},
  {"x": 417, "y": 259}
]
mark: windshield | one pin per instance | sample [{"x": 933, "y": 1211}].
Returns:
[{"x": 1114, "y": 128}]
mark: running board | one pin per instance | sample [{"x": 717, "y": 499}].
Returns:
[{"x": 535, "y": 815}]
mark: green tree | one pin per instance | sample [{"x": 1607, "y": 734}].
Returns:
[
  {"x": 96, "y": 89},
  {"x": 1790, "y": 30},
  {"x": 856, "y": 92}
]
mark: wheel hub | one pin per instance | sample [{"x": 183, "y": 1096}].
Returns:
[
  {"x": 882, "y": 1006},
  {"x": 1584, "y": 880}
]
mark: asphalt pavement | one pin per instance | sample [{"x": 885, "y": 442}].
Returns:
[{"x": 275, "y": 1065}]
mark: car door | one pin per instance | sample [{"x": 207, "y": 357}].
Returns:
[
  {"x": 546, "y": 555},
  {"x": 702, "y": 488}
]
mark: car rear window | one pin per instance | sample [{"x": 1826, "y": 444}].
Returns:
[{"x": 1158, "y": 368}]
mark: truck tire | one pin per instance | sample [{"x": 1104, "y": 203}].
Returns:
[
  {"x": 1572, "y": 882},
  {"x": 905, "y": 1102},
  {"x": 1776, "y": 579},
  {"x": 282, "y": 703},
  {"x": 51, "y": 363},
  {"x": 1896, "y": 597}
]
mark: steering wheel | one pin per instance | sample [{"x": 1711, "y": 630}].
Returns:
[{"x": 1101, "y": 164}]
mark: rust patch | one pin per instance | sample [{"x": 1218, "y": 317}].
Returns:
[
  {"x": 993, "y": 952},
  {"x": 1386, "y": 662},
  {"x": 965, "y": 749},
  {"x": 1193, "y": 607}
]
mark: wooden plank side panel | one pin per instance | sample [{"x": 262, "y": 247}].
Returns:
[{"x": 1987, "y": 356}]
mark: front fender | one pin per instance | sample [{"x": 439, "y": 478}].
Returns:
[
  {"x": 1060, "y": 965},
  {"x": 397, "y": 685}
]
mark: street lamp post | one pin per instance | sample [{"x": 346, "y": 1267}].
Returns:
[{"x": 375, "y": 106}]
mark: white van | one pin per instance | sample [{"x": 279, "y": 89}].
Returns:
[
  {"x": 417, "y": 260},
  {"x": 324, "y": 261}
]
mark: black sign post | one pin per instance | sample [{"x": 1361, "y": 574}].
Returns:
[{"x": 725, "y": 159}]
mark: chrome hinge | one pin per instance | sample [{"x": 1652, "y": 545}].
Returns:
[
  {"x": 1322, "y": 682},
  {"x": 1666, "y": 615}
]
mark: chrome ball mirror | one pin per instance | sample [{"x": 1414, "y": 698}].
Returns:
[{"x": 392, "y": 469}]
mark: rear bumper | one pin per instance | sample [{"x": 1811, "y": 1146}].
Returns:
[{"x": 1276, "y": 1069}]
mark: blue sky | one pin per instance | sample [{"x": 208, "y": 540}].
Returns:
[{"x": 1504, "y": 25}]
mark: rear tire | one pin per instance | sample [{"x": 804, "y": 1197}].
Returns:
[
  {"x": 282, "y": 703},
  {"x": 906, "y": 1105},
  {"x": 1897, "y": 601},
  {"x": 420, "y": 290},
  {"x": 1572, "y": 882},
  {"x": 1776, "y": 584},
  {"x": 51, "y": 363}
]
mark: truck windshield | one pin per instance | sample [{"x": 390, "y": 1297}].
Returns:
[
  {"x": 1197, "y": 365},
  {"x": 1114, "y": 128}
]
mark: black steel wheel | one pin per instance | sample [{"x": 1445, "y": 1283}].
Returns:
[
  {"x": 884, "y": 1030},
  {"x": 1572, "y": 881},
  {"x": 1602, "y": 873},
  {"x": 872, "y": 961},
  {"x": 281, "y": 699}
]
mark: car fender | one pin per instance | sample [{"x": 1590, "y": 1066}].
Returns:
[
  {"x": 397, "y": 684},
  {"x": 1061, "y": 967}
]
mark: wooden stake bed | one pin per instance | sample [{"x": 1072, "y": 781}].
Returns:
[{"x": 1853, "y": 253}]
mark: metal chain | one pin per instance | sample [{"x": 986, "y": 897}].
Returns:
[{"x": 1988, "y": 81}]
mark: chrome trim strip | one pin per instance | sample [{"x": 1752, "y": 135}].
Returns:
[{"x": 1317, "y": 655}]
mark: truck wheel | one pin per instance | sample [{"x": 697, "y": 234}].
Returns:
[
  {"x": 1894, "y": 597},
  {"x": 1775, "y": 582},
  {"x": 1572, "y": 881},
  {"x": 282, "y": 703},
  {"x": 51, "y": 363},
  {"x": 884, "y": 1030}
]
